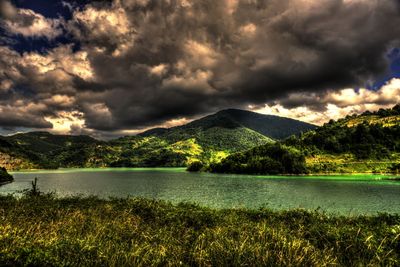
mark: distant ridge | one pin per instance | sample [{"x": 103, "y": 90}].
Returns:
[
  {"x": 271, "y": 126},
  {"x": 208, "y": 139}
]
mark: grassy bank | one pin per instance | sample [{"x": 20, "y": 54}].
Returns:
[{"x": 76, "y": 231}]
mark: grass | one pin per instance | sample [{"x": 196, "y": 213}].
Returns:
[
  {"x": 388, "y": 121},
  {"x": 347, "y": 163},
  {"x": 47, "y": 231}
]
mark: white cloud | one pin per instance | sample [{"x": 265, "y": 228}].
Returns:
[
  {"x": 200, "y": 55},
  {"x": 338, "y": 104},
  {"x": 61, "y": 60},
  {"x": 66, "y": 122},
  {"x": 196, "y": 81},
  {"x": 30, "y": 24},
  {"x": 248, "y": 30},
  {"x": 387, "y": 94},
  {"x": 102, "y": 27},
  {"x": 159, "y": 70}
]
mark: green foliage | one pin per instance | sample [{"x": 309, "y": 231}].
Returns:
[
  {"x": 34, "y": 190},
  {"x": 353, "y": 144},
  {"x": 395, "y": 168},
  {"x": 195, "y": 166},
  {"x": 267, "y": 159},
  {"x": 372, "y": 140},
  {"x": 365, "y": 141},
  {"x": 47, "y": 231},
  {"x": 175, "y": 149},
  {"x": 45, "y": 143},
  {"x": 41, "y": 149},
  {"x": 208, "y": 139},
  {"x": 275, "y": 127},
  {"x": 5, "y": 176}
]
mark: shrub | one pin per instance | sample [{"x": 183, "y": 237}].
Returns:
[
  {"x": 4, "y": 175},
  {"x": 195, "y": 166}
]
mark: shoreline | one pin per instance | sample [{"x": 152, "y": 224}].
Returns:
[
  {"x": 184, "y": 167},
  {"x": 97, "y": 169},
  {"x": 6, "y": 182}
]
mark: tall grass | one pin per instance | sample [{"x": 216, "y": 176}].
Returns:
[{"x": 45, "y": 231}]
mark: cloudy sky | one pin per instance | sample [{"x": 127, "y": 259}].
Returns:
[{"x": 110, "y": 68}]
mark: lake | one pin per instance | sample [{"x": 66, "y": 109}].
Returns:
[{"x": 344, "y": 194}]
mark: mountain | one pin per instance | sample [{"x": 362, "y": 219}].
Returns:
[
  {"x": 12, "y": 156},
  {"x": 273, "y": 127},
  {"x": 38, "y": 149},
  {"x": 46, "y": 143},
  {"x": 209, "y": 139},
  {"x": 369, "y": 142}
]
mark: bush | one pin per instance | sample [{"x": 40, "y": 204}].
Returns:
[
  {"x": 195, "y": 166},
  {"x": 5, "y": 176},
  {"x": 395, "y": 168},
  {"x": 267, "y": 159}
]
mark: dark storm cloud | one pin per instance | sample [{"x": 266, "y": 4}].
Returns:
[
  {"x": 257, "y": 51},
  {"x": 155, "y": 60},
  {"x": 11, "y": 119}
]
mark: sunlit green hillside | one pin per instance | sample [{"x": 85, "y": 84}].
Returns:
[
  {"x": 369, "y": 142},
  {"x": 177, "y": 149},
  {"x": 209, "y": 139}
]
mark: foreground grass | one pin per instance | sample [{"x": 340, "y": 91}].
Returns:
[{"x": 44, "y": 231}]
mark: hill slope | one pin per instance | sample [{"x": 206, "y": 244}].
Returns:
[
  {"x": 38, "y": 149},
  {"x": 46, "y": 143},
  {"x": 273, "y": 127},
  {"x": 369, "y": 142},
  {"x": 209, "y": 139}
]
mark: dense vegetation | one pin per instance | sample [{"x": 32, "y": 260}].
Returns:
[
  {"x": 360, "y": 143},
  {"x": 44, "y": 231},
  {"x": 267, "y": 159},
  {"x": 271, "y": 126},
  {"x": 5, "y": 176},
  {"x": 208, "y": 139},
  {"x": 277, "y": 128},
  {"x": 38, "y": 149},
  {"x": 364, "y": 136},
  {"x": 366, "y": 143},
  {"x": 369, "y": 142}
]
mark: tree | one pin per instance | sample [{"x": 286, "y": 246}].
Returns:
[{"x": 5, "y": 176}]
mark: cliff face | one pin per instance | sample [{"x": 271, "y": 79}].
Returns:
[{"x": 14, "y": 163}]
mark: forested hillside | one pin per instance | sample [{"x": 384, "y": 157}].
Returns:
[
  {"x": 273, "y": 127},
  {"x": 209, "y": 140},
  {"x": 39, "y": 149},
  {"x": 369, "y": 142}
]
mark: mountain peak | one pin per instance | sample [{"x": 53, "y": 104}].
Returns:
[
  {"x": 275, "y": 127},
  {"x": 271, "y": 126}
]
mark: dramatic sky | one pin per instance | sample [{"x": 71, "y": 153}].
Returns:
[{"x": 110, "y": 68}]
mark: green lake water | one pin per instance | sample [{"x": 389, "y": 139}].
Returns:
[{"x": 344, "y": 194}]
